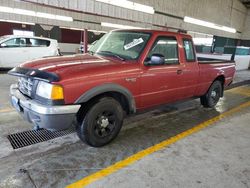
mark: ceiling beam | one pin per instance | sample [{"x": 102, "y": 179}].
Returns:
[{"x": 246, "y": 3}]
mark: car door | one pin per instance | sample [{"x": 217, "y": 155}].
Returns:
[
  {"x": 160, "y": 83},
  {"x": 38, "y": 48},
  {"x": 13, "y": 52}
]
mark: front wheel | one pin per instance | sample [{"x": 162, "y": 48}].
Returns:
[
  {"x": 102, "y": 122},
  {"x": 212, "y": 97}
]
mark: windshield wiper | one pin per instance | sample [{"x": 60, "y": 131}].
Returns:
[{"x": 112, "y": 54}]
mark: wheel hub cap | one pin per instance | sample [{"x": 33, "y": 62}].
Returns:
[
  {"x": 213, "y": 94},
  {"x": 104, "y": 122}
]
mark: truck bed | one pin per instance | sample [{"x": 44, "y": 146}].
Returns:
[
  {"x": 209, "y": 71},
  {"x": 203, "y": 60}
]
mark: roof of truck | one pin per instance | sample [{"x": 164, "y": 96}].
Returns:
[{"x": 155, "y": 31}]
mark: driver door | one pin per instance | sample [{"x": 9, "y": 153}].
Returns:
[{"x": 160, "y": 82}]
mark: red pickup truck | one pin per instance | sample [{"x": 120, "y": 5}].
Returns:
[{"x": 126, "y": 71}]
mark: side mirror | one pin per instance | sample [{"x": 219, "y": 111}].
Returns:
[{"x": 156, "y": 59}]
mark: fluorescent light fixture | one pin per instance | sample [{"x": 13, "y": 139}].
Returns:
[
  {"x": 106, "y": 24},
  {"x": 64, "y": 18},
  {"x": 46, "y": 15},
  {"x": 14, "y": 21},
  {"x": 24, "y": 12},
  {"x": 76, "y": 29},
  {"x": 130, "y": 5},
  {"x": 35, "y": 14},
  {"x": 96, "y": 31},
  {"x": 79, "y": 29},
  {"x": 6, "y": 9},
  {"x": 72, "y": 28},
  {"x": 205, "y": 34},
  {"x": 54, "y": 17},
  {"x": 208, "y": 24}
]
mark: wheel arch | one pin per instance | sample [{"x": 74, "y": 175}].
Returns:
[
  {"x": 221, "y": 78},
  {"x": 118, "y": 92}
]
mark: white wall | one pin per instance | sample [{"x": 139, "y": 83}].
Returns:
[
  {"x": 68, "y": 48},
  {"x": 242, "y": 61}
]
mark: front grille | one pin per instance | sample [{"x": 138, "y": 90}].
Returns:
[{"x": 25, "y": 85}]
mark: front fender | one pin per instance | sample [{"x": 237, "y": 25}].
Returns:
[{"x": 108, "y": 88}]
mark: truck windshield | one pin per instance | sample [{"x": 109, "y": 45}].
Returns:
[{"x": 125, "y": 45}]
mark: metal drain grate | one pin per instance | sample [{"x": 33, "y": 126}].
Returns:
[{"x": 26, "y": 138}]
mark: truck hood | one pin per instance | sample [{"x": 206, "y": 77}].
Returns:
[
  {"x": 69, "y": 66},
  {"x": 57, "y": 64}
]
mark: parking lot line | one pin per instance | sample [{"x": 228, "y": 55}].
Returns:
[
  {"x": 4, "y": 110},
  {"x": 241, "y": 91},
  {"x": 132, "y": 159}
]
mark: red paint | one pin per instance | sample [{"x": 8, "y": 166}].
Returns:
[
  {"x": 154, "y": 85},
  {"x": 7, "y": 28},
  {"x": 70, "y": 36}
]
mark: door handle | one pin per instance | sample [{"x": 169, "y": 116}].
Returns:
[{"x": 179, "y": 71}]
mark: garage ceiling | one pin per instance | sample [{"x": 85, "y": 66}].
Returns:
[{"x": 246, "y": 3}]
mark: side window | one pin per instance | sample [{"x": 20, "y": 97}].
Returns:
[
  {"x": 12, "y": 43},
  {"x": 38, "y": 42},
  {"x": 22, "y": 42},
  {"x": 167, "y": 47},
  {"x": 189, "y": 50}
]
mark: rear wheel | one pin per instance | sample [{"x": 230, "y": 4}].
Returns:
[
  {"x": 211, "y": 98},
  {"x": 102, "y": 122}
]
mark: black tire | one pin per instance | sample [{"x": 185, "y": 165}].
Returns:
[
  {"x": 212, "y": 97},
  {"x": 102, "y": 122}
]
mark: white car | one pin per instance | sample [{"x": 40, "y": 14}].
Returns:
[{"x": 15, "y": 50}]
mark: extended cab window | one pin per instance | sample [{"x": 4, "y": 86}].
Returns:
[
  {"x": 189, "y": 49},
  {"x": 167, "y": 47}
]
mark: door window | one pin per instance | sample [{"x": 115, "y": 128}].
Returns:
[
  {"x": 166, "y": 47},
  {"x": 38, "y": 42},
  {"x": 13, "y": 43},
  {"x": 22, "y": 42},
  {"x": 189, "y": 50}
]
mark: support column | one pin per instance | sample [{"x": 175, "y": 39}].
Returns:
[{"x": 85, "y": 40}]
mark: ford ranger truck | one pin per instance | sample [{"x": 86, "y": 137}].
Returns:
[{"x": 125, "y": 72}]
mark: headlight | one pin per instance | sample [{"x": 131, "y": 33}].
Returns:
[{"x": 49, "y": 91}]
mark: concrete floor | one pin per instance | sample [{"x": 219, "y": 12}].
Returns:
[{"x": 217, "y": 156}]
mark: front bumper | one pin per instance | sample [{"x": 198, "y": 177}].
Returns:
[{"x": 48, "y": 117}]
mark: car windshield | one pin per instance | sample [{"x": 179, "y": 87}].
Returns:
[{"x": 125, "y": 45}]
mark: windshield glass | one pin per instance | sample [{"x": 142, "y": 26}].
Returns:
[{"x": 121, "y": 44}]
